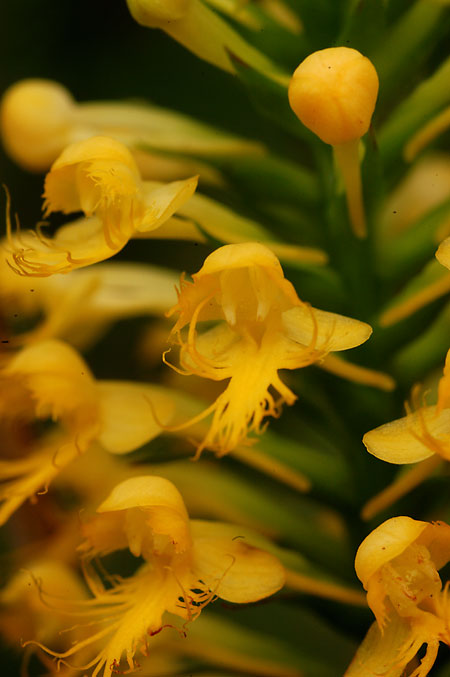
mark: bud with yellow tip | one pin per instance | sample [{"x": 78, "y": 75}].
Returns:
[
  {"x": 36, "y": 122},
  {"x": 333, "y": 92}
]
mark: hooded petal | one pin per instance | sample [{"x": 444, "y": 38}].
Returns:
[
  {"x": 161, "y": 510},
  {"x": 411, "y": 438},
  {"x": 144, "y": 492},
  {"x": 72, "y": 180},
  {"x": 385, "y": 543},
  {"x": 230, "y": 566}
]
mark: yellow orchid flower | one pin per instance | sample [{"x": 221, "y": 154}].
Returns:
[
  {"x": 100, "y": 178},
  {"x": 39, "y": 118},
  {"x": 262, "y": 326},
  {"x": 188, "y": 563},
  {"x": 49, "y": 381},
  {"x": 422, "y": 437},
  {"x": 333, "y": 92},
  {"x": 203, "y": 32},
  {"x": 420, "y": 434},
  {"x": 398, "y": 565}
]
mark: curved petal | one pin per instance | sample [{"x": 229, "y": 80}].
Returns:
[
  {"x": 127, "y": 413},
  {"x": 411, "y": 438},
  {"x": 232, "y": 568},
  {"x": 443, "y": 253},
  {"x": 161, "y": 507},
  {"x": 163, "y": 201},
  {"x": 328, "y": 331},
  {"x": 147, "y": 491},
  {"x": 385, "y": 543}
]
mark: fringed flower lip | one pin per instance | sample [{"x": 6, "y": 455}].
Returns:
[
  {"x": 398, "y": 564},
  {"x": 261, "y": 326},
  {"x": 187, "y": 565},
  {"x": 99, "y": 177}
]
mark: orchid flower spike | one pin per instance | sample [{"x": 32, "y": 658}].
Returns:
[
  {"x": 398, "y": 564},
  {"x": 203, "y": 32},
  {"x": 261, "y": 326},
  {"x": 100, "y": 178},
  {"x": 333, "y": 92},
  {"x": 187, "y": 565},
  {"x": 49, "y": 381}
]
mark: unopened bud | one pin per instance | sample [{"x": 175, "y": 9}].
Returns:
[
  {"x": 333, "y": 92},
  {"x": 36, "y": 118}
]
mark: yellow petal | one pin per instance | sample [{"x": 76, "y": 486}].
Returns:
[
  {"x": 161, "y": 202},
  {"x": 127, "y": 414},
  {"x": 79, "y": 244},
  {"x": 127, "y": 289},
  {"x": 328, "y": 331},
  {"x": 161, "y": 510},
  {"x": 63, "y": 185},
  {"x": 49, "y": 357},
  {"x": 241, "y": 255},
  {"x": 379, "y": 653},
  {"x": 144, "y": 492},
  {"x": 230, "y": 566},
  {"x": 443, "y": 253},
  {"x": 143, "y": 125},
  {"x": 436, "y": 537},
  {"x": 411, "y": 438},
  {"x": 385, "y": 543}
]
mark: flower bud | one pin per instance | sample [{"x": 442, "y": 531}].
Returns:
[
  {"x": 333, "y": 92},
  {"x": 151, "y": 12},
  {"x": 36, "y": 118}
]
